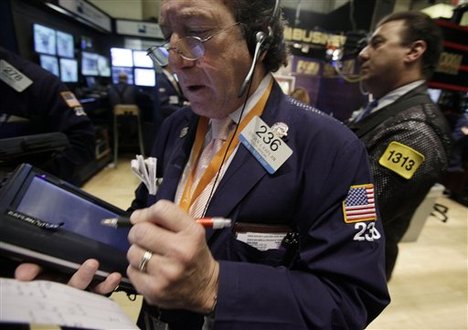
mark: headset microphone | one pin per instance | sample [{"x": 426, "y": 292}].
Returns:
[{"x": 261, "y": 37}]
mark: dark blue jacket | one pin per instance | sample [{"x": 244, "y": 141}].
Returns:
[
  {"x": 42, "y": 108},
  {"x": 336, "y": 280}
]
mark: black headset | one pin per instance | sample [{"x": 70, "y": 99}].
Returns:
[{"x": 262, "y": 43}]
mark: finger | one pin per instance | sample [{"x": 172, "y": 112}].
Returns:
[
  {"x": 84, "y": 275},
  {"x": 151, "y": 237},
  {"x": 165, "y": 214},
  {"x": 158, "y": 266},
  {"x": 27, "y": 272},
  {"x": 141, "y": 281},
  {"x": 109, "y": 285},
  {"x": 146, "y": 285},
  {"x": 135, "y": 255}
]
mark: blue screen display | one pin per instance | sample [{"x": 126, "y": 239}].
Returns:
[{"x": 48, "y": 202}]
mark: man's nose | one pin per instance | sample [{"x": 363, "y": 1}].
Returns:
[
  {"x": 176, "y": 60},
  {"x": 363, "y": 54}
]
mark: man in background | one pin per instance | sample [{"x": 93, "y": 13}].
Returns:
[
  {"x": 169, "y": 97},
  {"x": 170, "y": 94},
  {"x": 301, "y": 94},
  {"x": 122, "y": 92},
  {"x": 34, "y": 101},
  {"x": 407, "y": 137}
]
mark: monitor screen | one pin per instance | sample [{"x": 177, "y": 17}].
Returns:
[
  {"x": 50, "y": 63},
  {"x": 51, "y": 222},
  {"x": 44, "y": 39},
  {"x": 68, "y": 70},
  {"x": 145, "y": 77},
  {"x": 122, "y": 57},
  {"x": 86, "y": 43},
  {"x": 90, "y": 82},
  {"x": 89, "y": 64},
  {"x": 65, "y": 45},
  {"x": 140, "y": 59},
  {"x": 78, "y": 215},
  {"x": 103, "y": 66},
  {"x": 117, "y": 70}
]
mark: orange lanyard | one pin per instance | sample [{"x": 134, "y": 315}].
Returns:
[{"x": 187, "y": 197}]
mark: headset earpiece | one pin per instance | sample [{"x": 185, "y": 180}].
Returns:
[
  {"x": 261, "y": 38},
  {"x": 262, "y": 42}
]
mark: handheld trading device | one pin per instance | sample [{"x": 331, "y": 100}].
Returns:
[{"x": 53, "y": 223}]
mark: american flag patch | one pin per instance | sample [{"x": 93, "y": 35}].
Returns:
[{"x": 360, "y": 204}]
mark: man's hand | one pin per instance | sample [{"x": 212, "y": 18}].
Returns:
[
  {"x": 81, "y": 279},
  {"x": 181, "y": 273}
]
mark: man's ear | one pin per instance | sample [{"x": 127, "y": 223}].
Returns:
[{"x": 415, "y": 51}]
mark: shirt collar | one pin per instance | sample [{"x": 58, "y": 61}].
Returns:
[{"x": 392, "y": 96}]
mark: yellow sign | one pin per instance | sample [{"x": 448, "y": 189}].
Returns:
[
  {"x": 313, "y": 37},
  {"x": 401, "y": 159},
  {"x": 307, "y": 67},
  {"x": 449, "y": 63}
]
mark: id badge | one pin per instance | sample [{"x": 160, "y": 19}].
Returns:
[
  {"x": 13, "y": 77},
  {"x": 266, "y": 146},
  {"x": 401, "y": 159}
]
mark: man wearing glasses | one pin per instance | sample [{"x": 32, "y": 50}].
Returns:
[{"x": 305, "y": 249}]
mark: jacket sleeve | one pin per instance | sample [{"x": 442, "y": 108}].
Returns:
[
  {"x": 392, "y": 188},
  {"x": 70, "y": 119}
]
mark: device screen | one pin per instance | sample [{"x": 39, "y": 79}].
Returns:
[{"x": 48, "y": 202}]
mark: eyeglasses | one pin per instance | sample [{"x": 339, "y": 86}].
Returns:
[{"x": 190, "y": 48}]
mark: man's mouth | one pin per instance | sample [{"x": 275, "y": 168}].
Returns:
[
  {"x": 194, "y": 88},
  {"x": 364, "y": 66}
]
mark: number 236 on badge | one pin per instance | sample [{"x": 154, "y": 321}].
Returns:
[
  {"x": 401, "y": 159},
  {"x": 266, "y": 146}
]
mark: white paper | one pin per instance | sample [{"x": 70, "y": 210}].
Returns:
[
  {"x": 145, "y": 170},
  {"x": 262, "y": 241},
  {"x": 51, "y": 303}
]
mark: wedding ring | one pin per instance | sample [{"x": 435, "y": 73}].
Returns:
[{"x": 144, "y": 261}]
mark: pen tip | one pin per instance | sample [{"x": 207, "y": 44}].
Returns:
[{"x": 109, "y": 222}]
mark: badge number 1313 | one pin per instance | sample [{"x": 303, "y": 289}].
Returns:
[
  {"x": 270, "y": 150},
  {"x": 401, "y": 159}
]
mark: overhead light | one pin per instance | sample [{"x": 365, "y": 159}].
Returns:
[{"x": 57, "y": 8}]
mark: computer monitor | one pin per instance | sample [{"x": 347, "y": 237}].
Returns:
[
  {"x": 117, "y": 70},
  {"x": 90, "y": 82},
  {"x": 68, "y": 70},
  {"x": 145, "y": 77},
  {"x": 86, "y": 43},
  {"x": 103, "y": 66},
  {"x": 50, "y": 63},
  {"x": 44, "y": 39},
  {"x": 65, "y": 45},
  {"x": 89, "y": 64},
  {"x": 122, "y": 57},
  {"x": 140, "y": 59}
]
